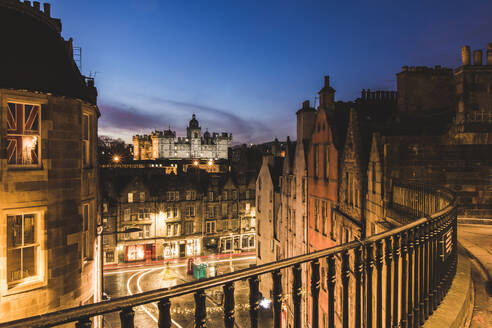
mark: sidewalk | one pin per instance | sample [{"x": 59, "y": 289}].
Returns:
[
  {"x": 477, "y": 239},
  {"x": 111, "y": 267}
]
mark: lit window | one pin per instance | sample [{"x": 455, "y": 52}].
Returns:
[
  {"x": 86, "y": 129},
  {"x": 210, "y": 227},
  {"x": 22, "y": 247},
  {"x": 23, "y": 134}
]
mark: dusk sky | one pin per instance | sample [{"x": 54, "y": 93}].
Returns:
[{"x": 245, "y": 66}]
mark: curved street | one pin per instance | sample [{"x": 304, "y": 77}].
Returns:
[{"x": 125, "y": 282}]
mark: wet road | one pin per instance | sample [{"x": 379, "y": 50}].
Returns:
[{"x": 124, "y": 282}]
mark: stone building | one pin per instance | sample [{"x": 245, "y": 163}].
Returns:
[
  {"x": 187, "y": 214},
  {"x": 267, "y": 217},
  {"x": 165, "y": 144},
  {"x": 48, "y": 167}
]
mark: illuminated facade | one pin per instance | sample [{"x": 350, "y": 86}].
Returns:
[
  {"x": 48, "y": 168},
  {"x": 189, "y": 214},
  {"x": 165, "y": 144}
]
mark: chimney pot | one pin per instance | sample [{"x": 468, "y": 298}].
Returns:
[
  {"x": 477, "y": 57},
  {"x": 305, "y": 104},
  {"x": 465, "y": 55},
  {"x": 36, "y": 5},
  {"x": 327, "y": 81},
  {"x": 404, "y": 68},
  {"x": 47, "y": 9},
  {"x": 489, "y": 53},
  {"x": 27, "y": 3}
]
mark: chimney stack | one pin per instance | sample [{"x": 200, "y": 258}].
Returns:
[
  {"x": 465, "y": 55},
  {"x": 27, "y": 3},
  {"x": 477, "y": 57},
  {"x": 489, "y": 53},
  {"x": 47, "y": 9},
  {"x": 305, "y": 104},
  {"x": 36, "y": 6},
  {"x": 327, "y": 81}
]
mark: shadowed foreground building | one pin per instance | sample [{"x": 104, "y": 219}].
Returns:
[{"x": 48, "y": 167}]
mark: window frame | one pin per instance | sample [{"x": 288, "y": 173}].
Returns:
[
  {"x": 33, "y": 102},
  {"x": 41, "y": 277}
]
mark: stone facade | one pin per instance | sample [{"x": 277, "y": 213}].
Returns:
[
  {"x": 165, "y": 144},
  {"x": 190, "y": 214},
  {"x": 48, "y": 169}
]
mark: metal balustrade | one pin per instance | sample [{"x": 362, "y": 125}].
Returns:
[{"x": 410, "y": 270}]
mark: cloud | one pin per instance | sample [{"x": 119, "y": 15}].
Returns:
[{"x": 121, "y": 120}]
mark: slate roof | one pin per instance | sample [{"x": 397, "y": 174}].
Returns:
[{"x": 35, "y": 57}]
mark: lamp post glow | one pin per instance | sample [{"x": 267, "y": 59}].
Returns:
[{"x": 116, "y": 158}]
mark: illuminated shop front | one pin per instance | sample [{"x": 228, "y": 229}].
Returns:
[
  {"x": 242, "y": 242},
  {"x": 182, "y": 248},
  {"x": 139, "y": 252}
]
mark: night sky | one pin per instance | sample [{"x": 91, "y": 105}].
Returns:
[{"x": 245, "y": 66}]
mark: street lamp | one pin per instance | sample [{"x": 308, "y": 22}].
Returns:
[{"x": 116, "y": 158}]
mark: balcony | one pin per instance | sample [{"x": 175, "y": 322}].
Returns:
[{"x": 398, "y": 277}]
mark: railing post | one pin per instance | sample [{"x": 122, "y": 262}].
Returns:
[
  {"x": 416, "y": 278},
  {"x": 297, "y": 294},
  {"x": 277, "y": 298},
  {"x": 379, "y": 284},
  {"x": 422, "y": 274},
  {"x": 254, "y": 300},
  {"x": 358, "y": 270},
  {"x": 369, "y": 269},
  {"x": 345, "y": 287},
  {"x": 426, "y": 272},
  {"x": 403, "y": 303},
  {"x": 164, "y": 306},
  {"x": 84, "y": 323},
  {"x": 396, "y": 276},
  {"x": 432, "y": 264},
  {"x": 126, "y": 318},
  {"x": 229, "y": 305},
  {"x": 388, "y": 258},
  {"x": 315, "y": 292},
  {"x": 331, "y": 290},
  {"x": 410, "y": 292},
  {"x": 200, "y": 309}
]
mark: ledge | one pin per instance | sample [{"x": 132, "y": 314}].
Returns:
[{"x": 456, "y": 305}]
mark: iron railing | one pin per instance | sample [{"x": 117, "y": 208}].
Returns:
[{"x": 393, "y": 279}]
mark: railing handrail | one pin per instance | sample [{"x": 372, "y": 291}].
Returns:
[{"x": 118, "y": 304}]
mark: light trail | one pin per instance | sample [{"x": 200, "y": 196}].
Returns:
[{"x": 143, "y": 306}]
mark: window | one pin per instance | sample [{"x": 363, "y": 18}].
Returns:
[
  {"x": 224, "y": 195},
  {"x": 173, "y": 229},
  {"x": 259, "y": 249},
  {"x": 142, "y": 197},
  {"x": 126, "y": 214},
  {"x": 190, "y": 211},
  {"x": 224, "y": 209},
  {"x": 143, "y": 214},
  {"x": 210, "y": 195},
  {"x": 109, "y": 256},
  {"x": 130, "y": 197},
  {"x": 373, "y": 178},
  {"x": 258, "y": 205},
  {"x": 23, "y": 134},
  {"x": 315, "y": 160},
  {"x": 259, "y": 183},
  {"x": 85, "y": 230},
  {"x": 247, "y": 194},
  {"x": 86, "y": 136},
  {"x": 210, "y": 226},
  {"x": 234, "y": 194},
  {"x": 271, "y": 196},
  {"x": 172, "y": 195},
  {"x": 303, "y": 189},
  {"x": 22, "y": 247},
  {"x": 332, "y": 226},
  {"x": 189, "y": 227},
  {"x": 146, "y": 231},
  {"x": 258, "y": 228},
  {"x": 323, "y": 217},
  {"x": 175, "y": 212},
  {"x": 190, "y": 195},
  {"x": 316, "y": 214},
  {"x": 347, "y": 187},
  {"x": 294, "y": 188},
  {"x": 327, "y": 161}
]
